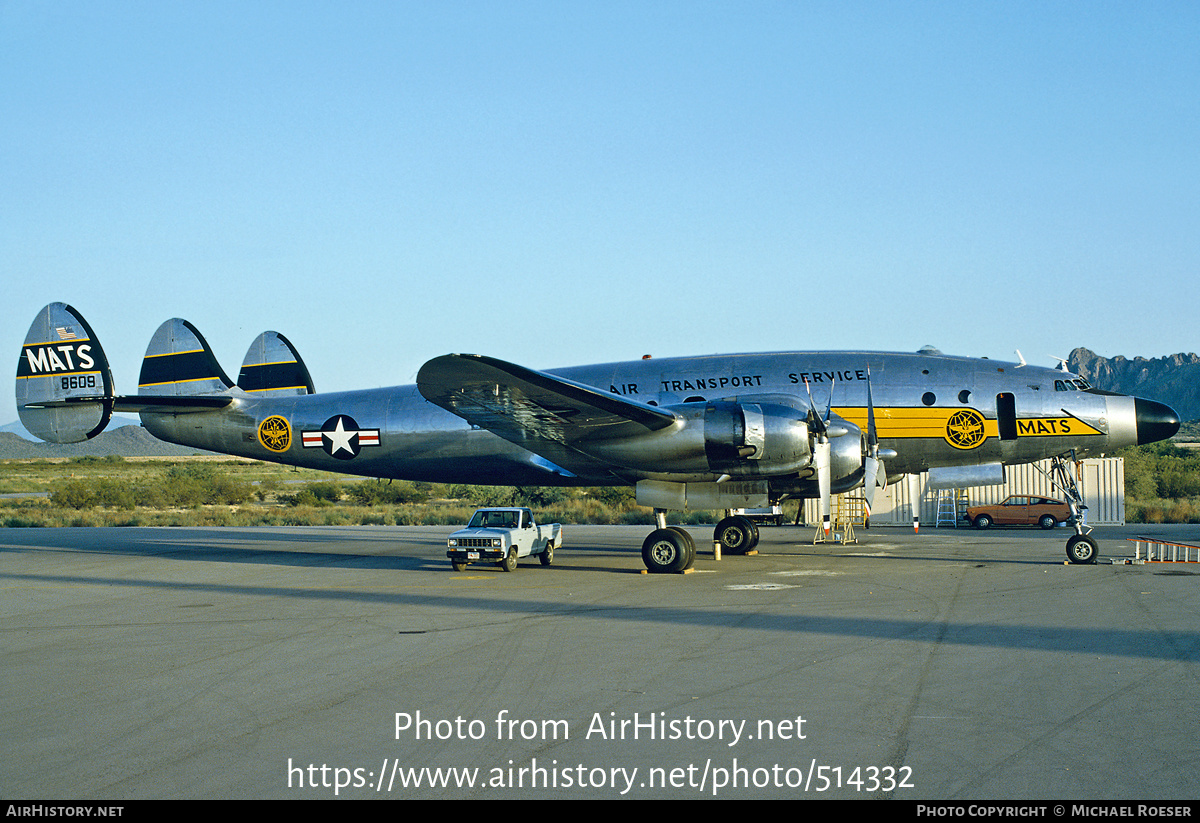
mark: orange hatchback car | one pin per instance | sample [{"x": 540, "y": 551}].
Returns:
[{"x": 1020, "y": 510}]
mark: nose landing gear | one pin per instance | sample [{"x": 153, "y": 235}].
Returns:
[{"x": 1081, "y": 548}]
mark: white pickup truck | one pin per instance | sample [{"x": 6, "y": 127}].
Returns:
[{"x": 502, "y": 536}]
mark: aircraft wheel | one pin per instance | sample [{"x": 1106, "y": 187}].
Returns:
[
  {"x": 1082, "y": 549},
  {"x": 735, "y": 535},
  {"x": 509, "y": 563},
  {"x": 547, "y": 557},
  {"x": 753, "y": 533},
  {"x": 983, "y": 521},
  {"x": 458, "y": 567},
  {"x": 1048, "y": 521},
  {"x": 665, "y": 552},
  {"x": 691, "y": 545}
]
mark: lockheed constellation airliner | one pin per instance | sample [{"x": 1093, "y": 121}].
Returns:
[{"x": 710, "y": 432}]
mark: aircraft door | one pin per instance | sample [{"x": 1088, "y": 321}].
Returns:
[{"x": 1006, "y": 415}]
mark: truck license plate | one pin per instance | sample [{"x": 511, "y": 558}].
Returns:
[{"x": 472, "y": 555}]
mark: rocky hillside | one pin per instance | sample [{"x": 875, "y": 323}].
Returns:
[
  {"x": 1174, "y": 380},
  {"x": 127, "y": 441}
]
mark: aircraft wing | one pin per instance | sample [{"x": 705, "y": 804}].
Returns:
[{"x": 548, "y": 415}]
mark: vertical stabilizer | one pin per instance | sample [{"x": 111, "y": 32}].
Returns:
[
  {"x": 179, "y": 363},
  {"x": 64, "y": 384},
  {"x": 273, "y": 367}
]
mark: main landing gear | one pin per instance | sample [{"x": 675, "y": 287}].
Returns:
[
  {"x": 670, "y": 549},
  {"x": 1081, "y": 547}
]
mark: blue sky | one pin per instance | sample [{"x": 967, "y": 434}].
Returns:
[{"x": 557, "y": 183}]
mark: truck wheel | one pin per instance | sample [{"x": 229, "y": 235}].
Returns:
[
  {"x": 509, "y": 563},
  {"x": 458, "y": 567},
  {"x": 547, "y": 556}
]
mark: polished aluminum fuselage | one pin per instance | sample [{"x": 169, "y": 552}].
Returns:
[{"x": 913, "y": 394}]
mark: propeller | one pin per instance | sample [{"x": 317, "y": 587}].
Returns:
[
  {"x": 914, "y": 494},
  {"x": 874, "y": 475},
  {"x": 821, "y": 453}
]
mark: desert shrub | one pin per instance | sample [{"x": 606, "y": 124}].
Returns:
[
  {"x": 376, "y": 493},
  {"x": 326, "y": 490},
  {"x": 198, "y": 484},
  {"x": 86, "y": 494}
]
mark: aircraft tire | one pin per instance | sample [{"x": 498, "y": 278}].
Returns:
[
  {"x": 691, "y": 545},
  {"x": 1047, "y": 521},
  {"x": 665, "y": 552},
  {"x": 1082, "y": 549},
  {"x": 509, "y": 563},
  {"x": 753, "y": 533},
  {"x": 983, "y": 521},
  {"x": 735, "y": 534},
  {"x": 547, "y": 556}
]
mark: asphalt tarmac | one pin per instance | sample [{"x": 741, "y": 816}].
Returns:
[{"x": 354, "y": 663}]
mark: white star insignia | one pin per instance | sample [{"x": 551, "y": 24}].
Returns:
[{"x": 339, "y": 439}]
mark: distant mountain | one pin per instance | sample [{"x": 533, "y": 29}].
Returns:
[
  {"x": 1174, "y": 380},
  {"x": 127, "y": 441},
  {"x": 117, "y": 420}
]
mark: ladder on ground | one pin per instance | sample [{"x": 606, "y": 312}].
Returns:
[
  {"x": 950, "y": 502},
  {"x": 1164, "y": 551}
]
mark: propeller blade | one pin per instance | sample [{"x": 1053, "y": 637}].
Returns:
[
  {"x": 815, "y": 424},
  {"x": 821, "y": 461},
  {"x": 871, "y": 471},
  {"x": 829, "y": 408},
  {"x": 872, "y": 436},
  {"x": 914, "y": 494},
  {"x": 872, "y": 466}
]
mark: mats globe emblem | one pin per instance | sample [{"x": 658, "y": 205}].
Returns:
[
  {"x": 964, "y": 429},
  {"x": 275, "y": 434}
]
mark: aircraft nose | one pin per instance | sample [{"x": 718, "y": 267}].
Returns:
[{"x": 1155, "y": 421}]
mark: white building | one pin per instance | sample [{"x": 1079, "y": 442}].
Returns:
[{"x": 1102, "y": 482}]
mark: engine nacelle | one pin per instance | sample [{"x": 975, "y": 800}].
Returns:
[
  {"x": 846, "y": 457},
  {"x": 718, "y": 437},
  {"x": 755, "y": 438}
]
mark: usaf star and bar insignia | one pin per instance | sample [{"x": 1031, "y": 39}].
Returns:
[{"x": 340, "y": 437}]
